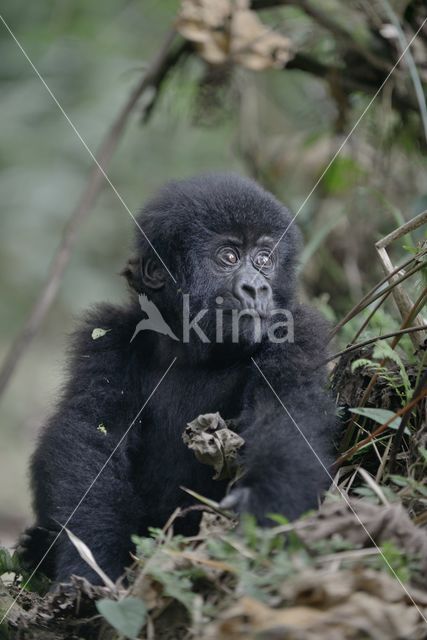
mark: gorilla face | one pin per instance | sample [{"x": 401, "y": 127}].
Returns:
[
  {"x": 221, "y": 236},
  {"x": 243, "y": 274},
  {"x": 235, "y": 287}
]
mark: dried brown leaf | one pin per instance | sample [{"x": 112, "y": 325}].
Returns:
[
  {"x": 255, "y": 46},
  {"x": 228, "y": 31},
  {"x": 87, "y": 555},
  {"x": 389, "y": 523},
  {"x": 345, "y": 605},
  {"x": 213, "y": 443},
  {"x": 213, "y": 524}
]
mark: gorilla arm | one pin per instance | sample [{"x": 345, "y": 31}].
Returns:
[
  {"x": 74, "y": 480},
  {"x": 77, "y": 480},
  {"x": 288, "y": 423}
]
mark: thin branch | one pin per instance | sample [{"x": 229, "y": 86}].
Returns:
[
  {"x": 418, "y": 305},
  {"x": 359, "y": 345},
  {"x": 420, "y": 392},
  {"x": 404, "y": 411},
  {"x": 400, "y": 296},
  {"x": 412, "y": 67},
  {"x": 328, "y": 23},
  {"x": 370, "y": 316},
  {"x": 410, "y": 225},
  {"x": 351, "y": 77},
  {"x": 153, "y": 77},
  {"x": 368, "y": 298}
]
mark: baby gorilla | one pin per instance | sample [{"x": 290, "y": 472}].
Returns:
[{"x": 218, "y": 268}]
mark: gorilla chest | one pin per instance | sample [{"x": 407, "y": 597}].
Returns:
[
  {"x": 162, "y": 461},
  {"x": 183, "y": 395}
]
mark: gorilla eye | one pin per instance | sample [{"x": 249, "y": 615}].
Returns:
[
  {"x": 263, "y": 260},
  {"x": 228, "y": 256}
]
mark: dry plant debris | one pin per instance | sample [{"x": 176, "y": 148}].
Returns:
[
  {"x": 389, "y": 523},
  {"x": 342, "y": 605},
  {"x": 228, "y": 31},
  {"x": 320, "y": 578},
  {"x": 213, "y": 443}
]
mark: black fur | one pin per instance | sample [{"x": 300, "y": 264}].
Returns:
[{"x": 111, "y": 378}]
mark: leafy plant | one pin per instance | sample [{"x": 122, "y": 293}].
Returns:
[{"x": 127, "y": 616}]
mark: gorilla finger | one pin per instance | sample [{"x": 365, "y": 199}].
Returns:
[
  {"x": 237, "y": 499},
  {"x": 23, "y": 541}
]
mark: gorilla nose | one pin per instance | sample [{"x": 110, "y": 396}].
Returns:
[{"x": 253, "y": 293}]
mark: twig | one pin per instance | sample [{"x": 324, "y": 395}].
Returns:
[
  {"x": 328, "y": 23},
  {"x": 153, "y": 77},
  {"x": 369, "y": 297},
  {"x": 351, "y": 78},
  {"x": 401, "y": 412},
  {"x": 359, "y": 345},
  {"x": 404, "y": 229},
  {"x": 370, "y": 316},
  {"x": 401, "y": 298},
  {"x": 418, "y": 305},
  {"x": 412, "y": 67},
  {"x": 419, "y": 392}
]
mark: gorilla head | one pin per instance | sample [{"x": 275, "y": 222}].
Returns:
[{"x": 218, "y": 235}]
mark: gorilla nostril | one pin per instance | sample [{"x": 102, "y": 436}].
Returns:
[{"x": 249, "y": 291}]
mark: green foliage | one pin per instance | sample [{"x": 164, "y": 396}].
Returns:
[
  {"x": 99, "y": 333},
  {"x": 344, "y": 174},
  {"x": 367, "y": 492},
  {"x": 176, "y": 584},
  {"x": 254, "y": 561},
  {"x": 396, "y": 561},
  {"x": 10, "y": 563},
  {"x": 423, "y": 454},
  {"x": 145, "y": 547},
  {"x": 127, "y": 616},
  {"x": 398, "y": 380},
  {"x": 415, "y": 488},
  {"x": 380, "y": 415},
  {"x": 383, "y": 350}
]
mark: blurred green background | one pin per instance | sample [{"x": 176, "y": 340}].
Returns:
[{"x": 282, "y": 127}]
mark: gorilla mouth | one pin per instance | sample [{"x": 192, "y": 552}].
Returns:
[
  {"x": 234, "y": 305},
  {"x": 252, "y": 313},
  {"x": 247, "y": 312}
]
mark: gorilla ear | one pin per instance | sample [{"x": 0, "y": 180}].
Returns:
[{"x": 143, "y": 273}]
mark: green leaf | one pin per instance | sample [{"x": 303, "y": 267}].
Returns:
[
  {"x": 384, "y": 350},
  {"x": 127, "y": 616},
  {"x": 99, "y": 333},
  {"x": 379, "y": 415},
  {"x": 361, "y": 362},
  {"x": 176, "y": 585},
  {"x": 7, "y": 563},
  {"x": 102, "y": 428},
  {"x": 401, "y": 481},
  {"x": 278, "y": 519},
  {"x": 342, "y": 175}
]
